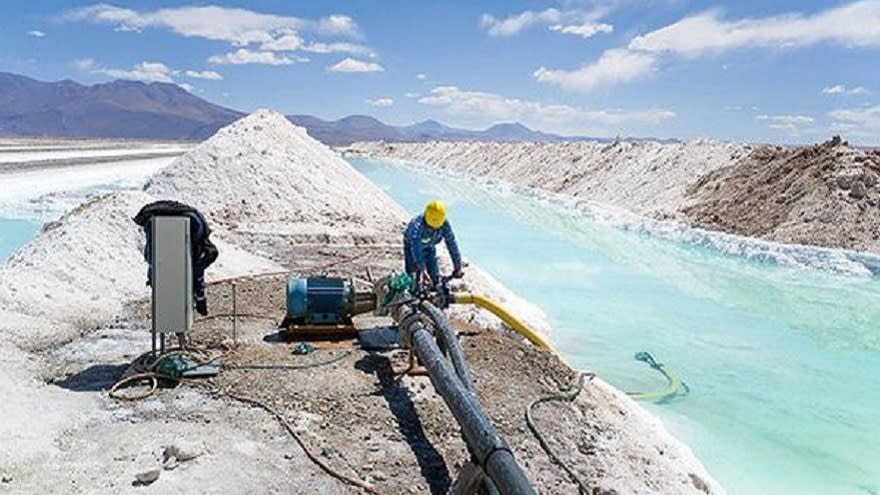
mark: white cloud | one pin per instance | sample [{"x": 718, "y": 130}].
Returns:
[
  {"x": 338, "y": 24},
  {"x": 855, "y": 24},
  {"x": 245, "y": 56},
  {"x": 284, "y": 43},
  {"x": 144, "y": 71},
  {"x": 187, "y": 87},
  {"x": 614, "y": 66},
  {"x": 570, "y": 21},
  {"x": 36, "y": 34},
  {"x": 84, "y": 63},
  {"x": 205, "y": 74},
  {"x": 861, "y": 123},
  {"x": 351, "y": 65},
  {"x": 793, "y": 125},
  {"x": 411, "y": 95},
  {"x": 339, "y": 47},
  {"x": 840, "y": 89},
  {"x": 482, "y": 108},
  {"x": 238, "y": 26},
  {"x": 585, "y": 30},
  {"x": 380, "y": 102},
  {"x": 421, "y": 77},
  {"x": 242, "y": 28},
  {"x": 516, "y": 23}
]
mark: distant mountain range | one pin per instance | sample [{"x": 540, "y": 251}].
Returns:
[
  {"x": 363, "y": 128},
  {"x": 118, "y": 109},
  {"x": 132, "y": 109}
]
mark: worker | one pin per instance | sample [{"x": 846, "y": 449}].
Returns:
[{"x": 422, "y": 234}]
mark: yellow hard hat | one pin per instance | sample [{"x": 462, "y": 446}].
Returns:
[{"x": 435, "y": 214}]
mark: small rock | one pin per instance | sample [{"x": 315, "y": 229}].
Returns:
[
  {"x": 7, "y": 479},
  {"x": 844, "y": 181},
  {"x": 858, "y": 190},
  {"x": 170, "y": 464},
  {"x": 183, "y": 451},
  {"x": 379, "y": 476},
  {"x": 148, "y": 477}
]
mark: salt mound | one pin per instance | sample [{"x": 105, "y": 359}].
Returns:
[{"x": 262, "y": 174}]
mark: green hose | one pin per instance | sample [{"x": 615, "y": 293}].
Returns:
[{"x": 674, "y": 386}]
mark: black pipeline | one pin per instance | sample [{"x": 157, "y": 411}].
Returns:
[{"x": 490, "y": 451}]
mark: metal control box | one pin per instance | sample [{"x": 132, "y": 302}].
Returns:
[{"x": 171, "y": 275}]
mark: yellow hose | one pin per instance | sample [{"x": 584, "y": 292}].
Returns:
[
  {"x": 505, "y": 316},
  {"x": 674, "y": 385},
  {"x": 673, "y": 388}
]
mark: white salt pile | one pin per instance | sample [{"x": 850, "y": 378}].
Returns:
[{"x": 648, "y": 177}]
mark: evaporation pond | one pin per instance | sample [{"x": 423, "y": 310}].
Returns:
[{"x": 783, "y": 363}]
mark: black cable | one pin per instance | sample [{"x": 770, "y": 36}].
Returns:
[
  {"x": 568, "y": 396},
  {"x": 262, "y": 366}
]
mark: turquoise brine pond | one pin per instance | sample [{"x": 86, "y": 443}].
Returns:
[
  {"x": 14, "y": 233},
  {"x": 783, "y": 362}
]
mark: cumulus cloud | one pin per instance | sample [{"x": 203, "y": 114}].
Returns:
[
  {"x": 513, "y": 24},
  {"x": 205, "y": 74},
  {"x": 614, "y": 66},
  {"x": 840, "y": 89},
  {"x": 421, "y": 77},
  {"x": 792, "y": 125},
  {"x": 863, "y": 123},
  {"x": 84, "y": 63},
  {"x": 284, "y": 43},
  {"x": 244, "y": 56},
  {"x": 235, "y": 25},
  {"x": 339, "y": 47},
  {"x": 36, "y": 34},
  {"x": 855, "y": 24},
  {"x": 482, "y": 108},
  {"x": 572, "y": 21},
  {"x": 242, "y": 28},
  {"x": 584, "y": 30},
  {"x": 352, "y": 65},
  {"x": 380, "y": 102},
  {"x": 144, "y": 71}
]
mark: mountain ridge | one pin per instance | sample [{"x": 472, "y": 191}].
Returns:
[{"x": 156, "y": 110}]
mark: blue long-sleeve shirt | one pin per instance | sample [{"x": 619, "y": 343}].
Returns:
[{"x": 419, "y": 236}]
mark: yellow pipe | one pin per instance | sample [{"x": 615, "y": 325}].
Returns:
[{"x": 505, "y": 316}]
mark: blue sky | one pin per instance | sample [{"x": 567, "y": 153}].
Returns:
[{"x": 781, "y": 71}]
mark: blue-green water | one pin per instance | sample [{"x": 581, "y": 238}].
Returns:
[
  {"x": 783, "y": 363},
  {"x": 14, "y": 233}
]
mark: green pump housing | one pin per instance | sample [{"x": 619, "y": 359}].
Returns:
[{"x": 325, "y": 301}]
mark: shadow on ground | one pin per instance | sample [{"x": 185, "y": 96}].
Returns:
[
  {"x": 95, "y": 378},
  {"x": 431, "y": 463}
]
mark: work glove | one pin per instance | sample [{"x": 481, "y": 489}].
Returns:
[{"x": 458, "y": 273}]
